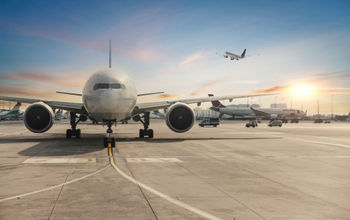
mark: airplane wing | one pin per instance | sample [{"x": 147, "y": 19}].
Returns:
[
  {"x": 150, "y": 106},
  {"x": 232, "y": 55},
  {"x": 68, "y": 106}
]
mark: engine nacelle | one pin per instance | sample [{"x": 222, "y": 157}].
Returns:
[
  {"x": 39, "y": 117},
  {"x": 180, "y": 117}
]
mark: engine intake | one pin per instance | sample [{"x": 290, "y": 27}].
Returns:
[
  {"x": 38, "y": 117},
  {"x": 180, "y": 117}
]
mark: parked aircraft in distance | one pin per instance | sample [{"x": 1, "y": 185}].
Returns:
[
  {"x": 235, "y": 112},
  {"x": 294, "y": 115},
  {"x": 7, "y": 114},
  {"x": 111, "y": 97},
  {"x": 234, "y": 56}
]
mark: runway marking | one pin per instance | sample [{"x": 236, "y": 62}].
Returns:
[
  {"x": 59, "y": 160},
  {"x": 327, "y": 143},
  {"x": 55, "y": 186},
  {"x": 153, "y": 160},
  {"x": 157, "y": 193}
]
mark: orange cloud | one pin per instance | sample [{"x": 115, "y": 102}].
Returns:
[
  {"x": 271, "y": 90},
  {"x": 60, "y": 80}
]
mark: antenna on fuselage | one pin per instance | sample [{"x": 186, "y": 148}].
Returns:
[{"x": 110, "y": 54}]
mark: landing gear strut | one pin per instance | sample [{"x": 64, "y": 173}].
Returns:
[
  {"x": 145, "y": 132},
  {"x": 73, "y": 122},
  {"x": 109, "y": 141}
]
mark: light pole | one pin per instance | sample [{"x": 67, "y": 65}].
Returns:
[{"x": 332, "y": 106}]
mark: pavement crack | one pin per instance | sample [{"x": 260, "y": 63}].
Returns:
[
  {"x": 58, "y": 196},
  {"x": 142, "y": 192},
  {"x": 223, "y": 191}
]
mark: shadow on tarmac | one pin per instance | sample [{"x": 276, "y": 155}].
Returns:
[
  {"x": 58, "y": 145},
  {"x": 170, "y": 140}
]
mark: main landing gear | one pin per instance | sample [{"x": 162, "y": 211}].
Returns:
[
  {"x": 145, "y": 132},
  {"x": 73, "y": 122},
  {"x": 109, "y": 141}
]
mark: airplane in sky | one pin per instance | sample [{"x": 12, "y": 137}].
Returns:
[
  {"x": 6, "y": 114},
  {"x": 234, "y": 56},
  {"x": 234, "y": 112},
  {"x": 110, "y": 97}
]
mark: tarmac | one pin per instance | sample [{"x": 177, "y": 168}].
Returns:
[{"x": 298, "y": 171}]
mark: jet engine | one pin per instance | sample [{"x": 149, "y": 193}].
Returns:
[
  {"x": 180, "y": 117},
  {"x": 39, "y": 117}
]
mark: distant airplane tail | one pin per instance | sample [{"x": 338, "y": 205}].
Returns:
[
  {"x": 216, "y": 103},
  {"x": 16, "y": 107},
  {"x": 243, "y": 54}
]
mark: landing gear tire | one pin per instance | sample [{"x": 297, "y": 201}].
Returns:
[
  {"x": 143, "y": 133},
  {"x": 150, "y": 133},
  {"x": 68, "y": 133},
  {"x": 73, "y": 122},
  {"x": 73, "y": 133}
]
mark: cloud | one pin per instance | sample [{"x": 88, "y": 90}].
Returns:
[
  {"x": 210, "y": 84},
  {"x": 192, "y": 58},
  {"x": 135, "y": 37},
  {"x": 271, "y": 90},
  {"x": 27, "y": 92},
  {"x": 71, "y": 80}
]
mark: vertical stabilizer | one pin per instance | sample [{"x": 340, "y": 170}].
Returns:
[
  {"x": 16, "y": 107},
  {"x": 216, "y": 103},
  {"x": 243, "y": 54},
  {"x": 110, "y": 54}
]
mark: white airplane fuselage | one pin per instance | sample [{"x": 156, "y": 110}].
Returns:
[{"x": 104, "y": 100}]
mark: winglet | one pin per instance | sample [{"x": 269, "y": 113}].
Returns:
[
  {"x": 110, "y": 54},
  {"x": 243, "y": 54}
]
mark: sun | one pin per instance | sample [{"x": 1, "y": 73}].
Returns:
[{"x": 302, "y": 90}]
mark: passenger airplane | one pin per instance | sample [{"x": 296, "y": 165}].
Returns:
[
  {"x": 10, "y": 113},
  {"x": 234, "y": 56},
  {"x": 234, "y": 112},
  {"x": 282, "y": 114},
  {"x": 110, "y": 97}
]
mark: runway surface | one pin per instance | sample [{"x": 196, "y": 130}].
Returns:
[{"x": 299, "y": 171}]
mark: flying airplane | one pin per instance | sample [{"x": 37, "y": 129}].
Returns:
[
  {"x": 10, "y": 113},
  {"x": 234, "y": 56},
  {"x": 110, "y": 97},
  {"x": 242, "y": 112}
]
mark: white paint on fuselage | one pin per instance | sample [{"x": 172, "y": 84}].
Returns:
[{"x": 109, "y": 104}]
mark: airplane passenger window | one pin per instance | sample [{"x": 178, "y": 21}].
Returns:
[{"x": 108, "y": 86}]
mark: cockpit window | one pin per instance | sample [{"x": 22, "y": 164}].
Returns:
[{"x": 109, "y": 86}]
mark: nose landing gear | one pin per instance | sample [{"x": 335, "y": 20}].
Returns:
[{"x": 109, "y": 141}]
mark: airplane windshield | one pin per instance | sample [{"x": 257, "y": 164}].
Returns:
[{"x": 108, "y": 86}]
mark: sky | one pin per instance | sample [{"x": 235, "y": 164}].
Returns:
[{"x": 178, "y": 46}]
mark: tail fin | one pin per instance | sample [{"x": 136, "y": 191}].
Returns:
[
  {"x": 16, "y": 107},
  {"x": 216, "y": 103},
  {"x": 243, "y": 54}
]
